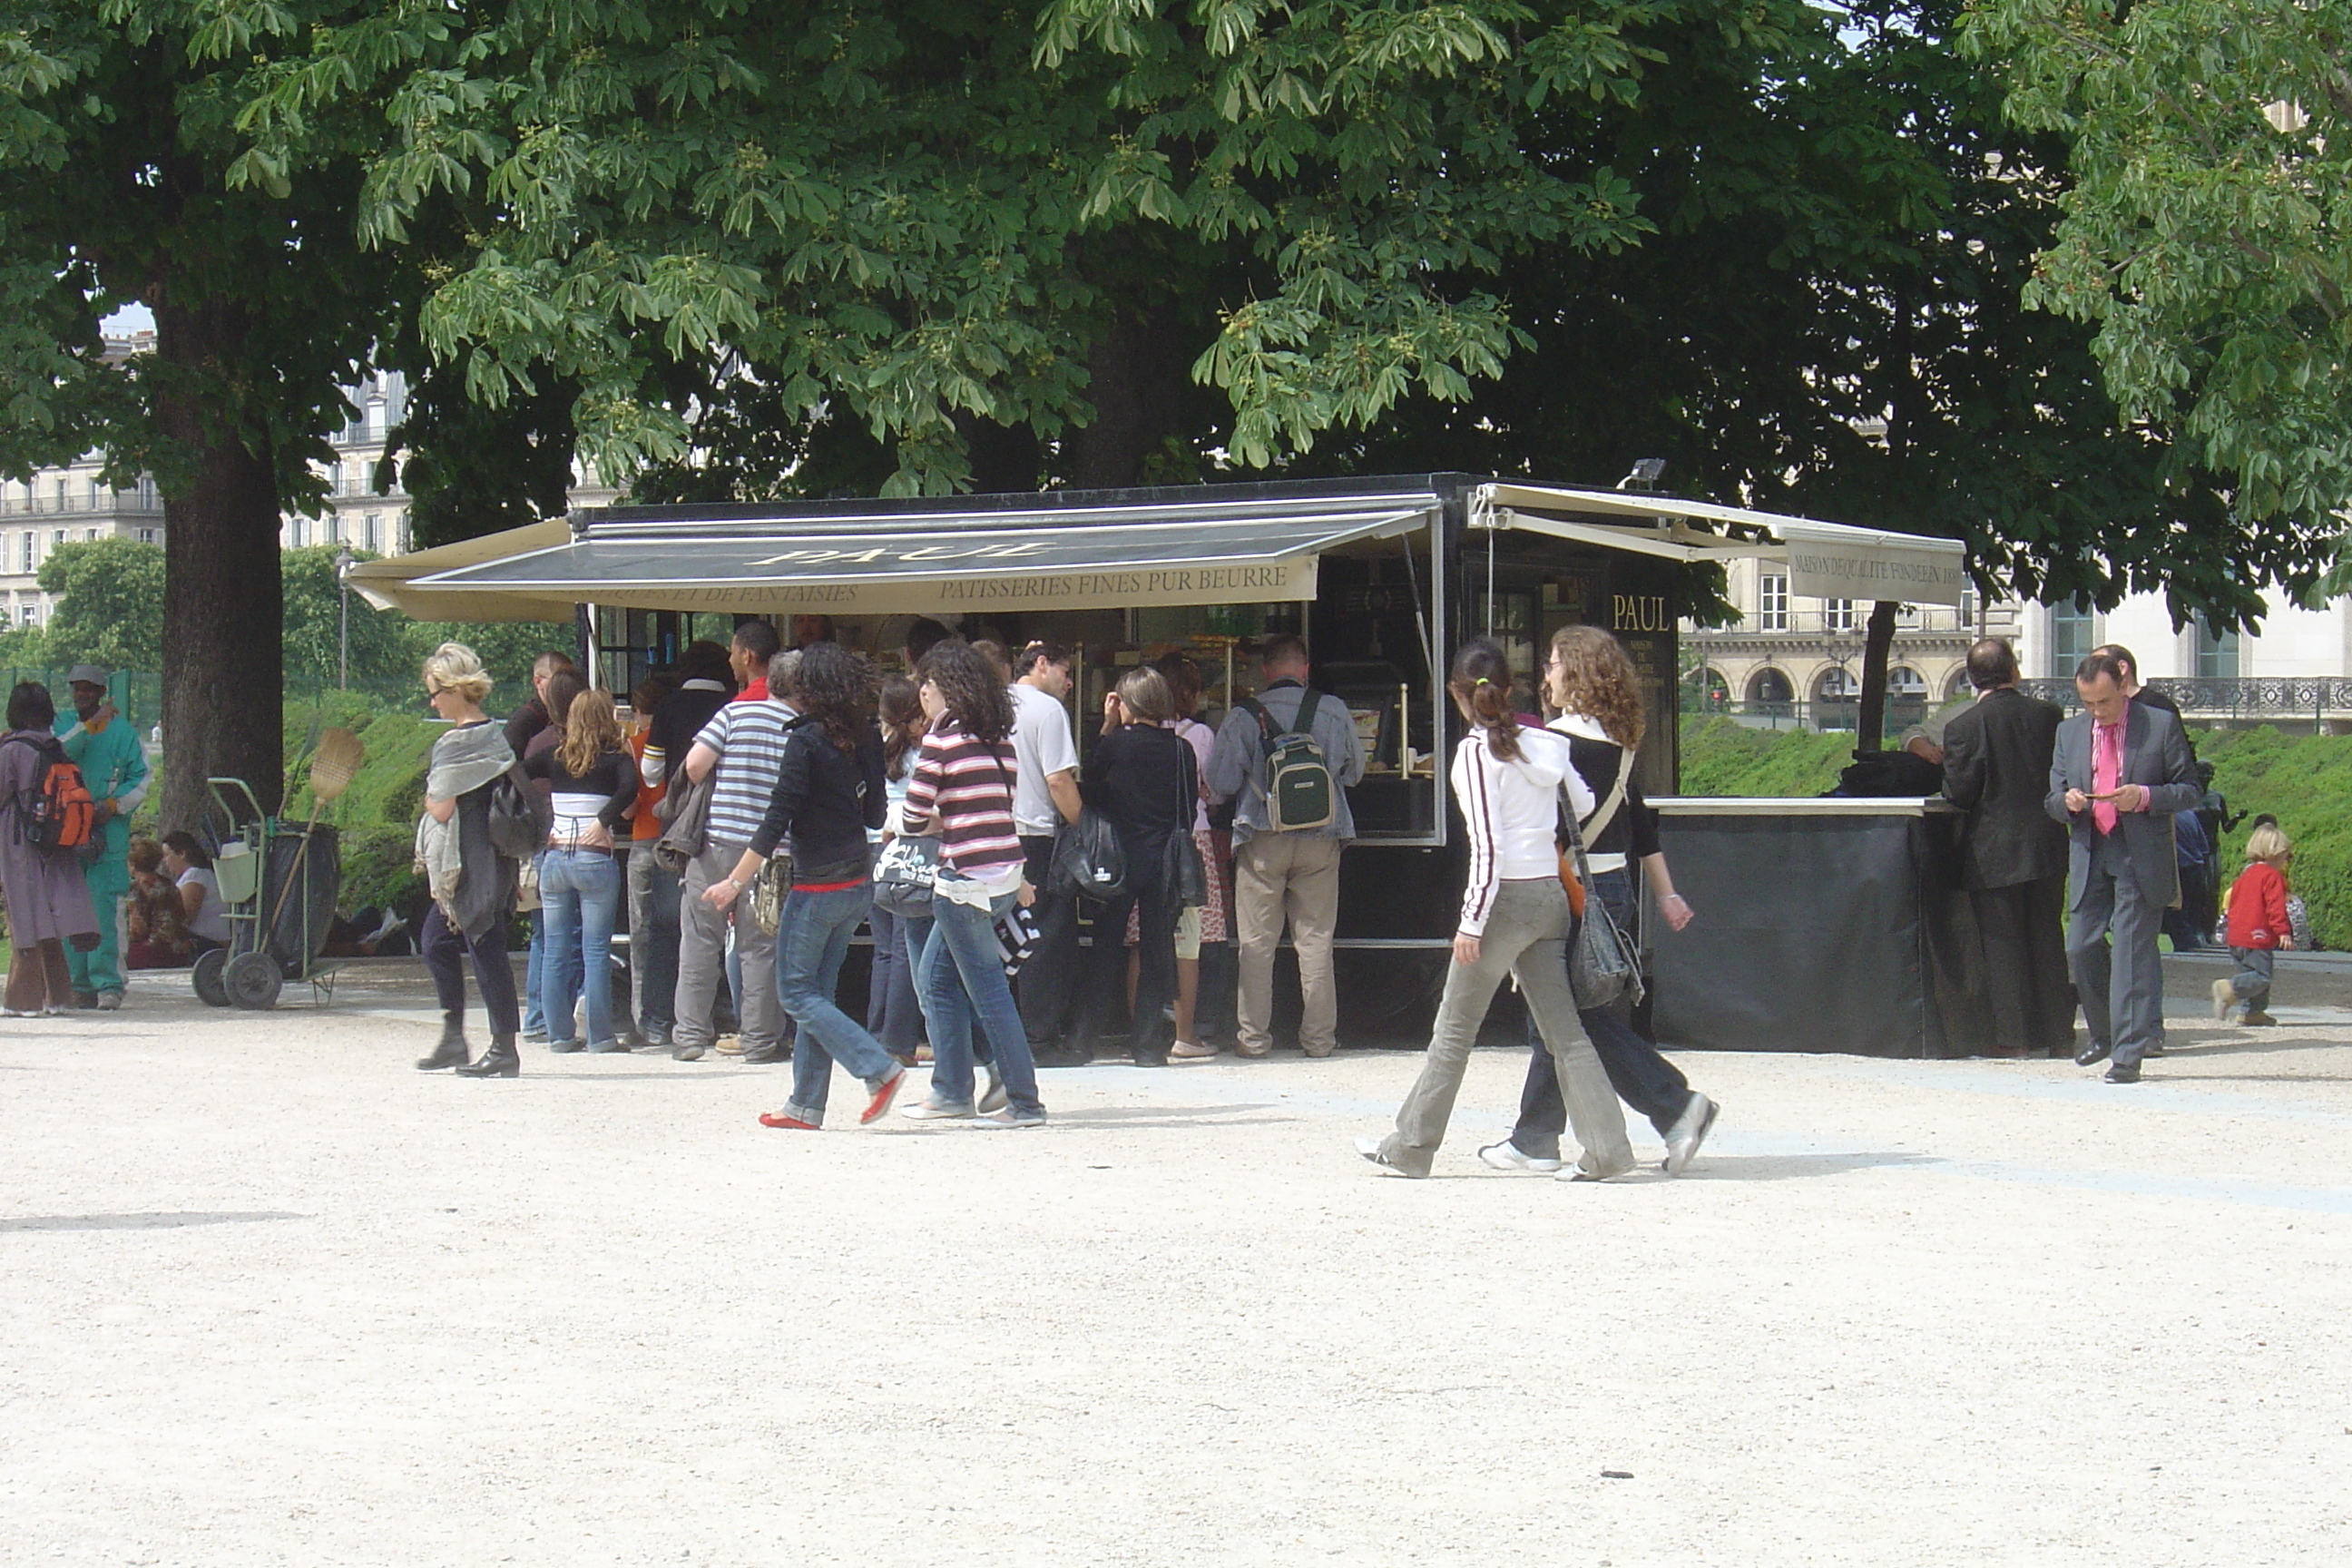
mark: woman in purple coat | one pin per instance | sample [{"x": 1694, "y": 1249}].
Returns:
[{"x": 49, "y": 899}]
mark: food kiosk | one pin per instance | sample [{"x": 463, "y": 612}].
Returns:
[{"x": 1383, "y": 576}]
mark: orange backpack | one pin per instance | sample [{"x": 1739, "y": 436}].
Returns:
[{"x": 55, "y": 812}]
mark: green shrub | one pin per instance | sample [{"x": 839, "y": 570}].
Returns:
[
  {"x": 1721, "y": 757},
  {"x": 377, "y": 866}
]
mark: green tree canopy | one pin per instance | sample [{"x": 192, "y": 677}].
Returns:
[
  {"x": 2204, "y": 234},
  {"x": 107, "y": 604}
]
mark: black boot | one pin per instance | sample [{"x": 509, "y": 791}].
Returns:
[
  {"x": 498, "y": 1061},
  {"x": 453, "y": 1051}
]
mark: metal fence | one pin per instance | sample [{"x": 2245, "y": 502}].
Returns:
[
  {"x": 2245, "y": 699},
  {"x": 136, "y": 694}
]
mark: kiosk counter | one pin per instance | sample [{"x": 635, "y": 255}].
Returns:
[{"x": 1822, "y": 925}]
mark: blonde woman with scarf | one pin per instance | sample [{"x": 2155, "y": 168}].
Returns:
[{"x": 473, "y": 885}]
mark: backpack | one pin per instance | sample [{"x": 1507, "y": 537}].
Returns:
[
  {"x": 55, "y": 812},
  {"x": 1298, "y": 790},
  {"x": 518, "y": 828}
]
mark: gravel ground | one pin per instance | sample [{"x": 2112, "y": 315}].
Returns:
[{"x": 268, "y": 1296}]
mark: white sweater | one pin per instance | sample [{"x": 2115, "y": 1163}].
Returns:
[{"x": 1511, "y": 809}]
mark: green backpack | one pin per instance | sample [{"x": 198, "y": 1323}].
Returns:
[{"x": 1298, "y": 791}]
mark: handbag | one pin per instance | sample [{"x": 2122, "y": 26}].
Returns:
[
  {"x": 1602, "y": 965},
  {"x": 767, "y": 893},
  {"x": 1088, "y": 862},
  {"x": 1017, "y": 936},
  {"x": 903, "y": 875},
  {"x": 1186, "y": 880}
]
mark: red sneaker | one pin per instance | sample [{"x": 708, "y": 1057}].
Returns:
[
  {"x": 879, "y": 1106},
  {"x": 768, "y": 1118}
]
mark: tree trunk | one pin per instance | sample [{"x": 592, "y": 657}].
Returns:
[
  {"x": 1136, "y": 383},
  {"x": 224, "y": 662},
  {"x": 1869, "y": 724}
]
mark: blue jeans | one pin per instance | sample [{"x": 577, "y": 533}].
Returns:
[
  {"x": 534, "y": 967},
  {"x": 892, "y": 1013},
  {"x": 961, "y": 968},
  {"x": 582, "y": 891},
  {"x": 812, "y": 939}
]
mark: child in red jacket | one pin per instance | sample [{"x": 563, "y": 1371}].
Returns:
[{"x": 2258, "y": 926}]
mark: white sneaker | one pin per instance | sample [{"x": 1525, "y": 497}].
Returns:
[
  {"x": 1689, "y": 1130},
  {"x": 930, "y": 1110},
  {"x": 991, "y": 1098},
  {"x": 2224, "y": 995},
  {"x": 110, "y": 1001},
  {"x": 1506, "y": 1156}
]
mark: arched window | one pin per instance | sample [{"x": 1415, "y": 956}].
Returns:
[
  {"x": 1958, "y": 686},
  {"x": 1767, "y": 688}
]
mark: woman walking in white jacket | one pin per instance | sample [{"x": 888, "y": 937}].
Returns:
[{"x": 1515, "y": 920}]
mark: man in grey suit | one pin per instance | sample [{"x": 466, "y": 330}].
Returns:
[{"x": 2120, "y": 771}]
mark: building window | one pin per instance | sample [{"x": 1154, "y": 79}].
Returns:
[
  {"x": 2217, "y": 653},
  {"x": 90, "y": 535},
  {"x": 1837, "y": 614},
  {"x": 2072, "y": 637},
  {"x": 30, "y": 615},
  {"x": 57, "y": 538},
  {"x": 375, "y": 524},
  {"x": 334, "y": 528},
  {"x": 1768, "y": 688},
  {"x": 1772, "y": 604},
  {"x": 27, "y": 552},
  {"x": 146, "y": 536}
]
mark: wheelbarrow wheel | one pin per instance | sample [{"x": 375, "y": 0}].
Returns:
[
  {"x": 211, "y": 989},
  {"x": 252, "y": 980}
]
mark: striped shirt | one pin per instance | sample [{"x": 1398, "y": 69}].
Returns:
[
  {"x": 968, "y": 786},
  {"x": 750, "y": 739},
  {"x": 1511, "y": 809}
]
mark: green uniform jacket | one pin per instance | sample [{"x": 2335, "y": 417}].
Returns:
[{"x": 114, "y": 768}]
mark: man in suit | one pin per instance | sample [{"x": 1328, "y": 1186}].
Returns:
[
  {"x": 2121, "y": 770},
  {"x": 1995, "y": 754}
]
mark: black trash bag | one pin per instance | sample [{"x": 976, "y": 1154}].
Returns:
[
  {"x": 298, "y": 924},
  {"x": 1881, "y": 774},
  {"x": 1088, "y": 862}
]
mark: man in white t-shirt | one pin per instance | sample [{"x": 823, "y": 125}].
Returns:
[{"x": 1044, "y": 796}]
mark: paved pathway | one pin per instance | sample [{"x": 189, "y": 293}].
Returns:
[{"x": 268, "y": 1296}]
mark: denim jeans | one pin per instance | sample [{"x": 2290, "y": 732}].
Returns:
[
  {"x": 582, "y": 891},
  {"x": 653, "y": 939},
  {"x": 534, "y": 973},
  {"x": 1642, "y": 1078},
  {"x": 812, "y": 939},
  {"x": 961, "y": 967},
  {"x": 892, "y": 1014}
]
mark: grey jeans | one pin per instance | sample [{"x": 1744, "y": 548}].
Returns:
[
  {"x": 1526, "y": 937},
  {"x": 702, "y": 958}
]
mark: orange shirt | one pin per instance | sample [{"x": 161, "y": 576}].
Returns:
[{"x": 644, "y": 826}]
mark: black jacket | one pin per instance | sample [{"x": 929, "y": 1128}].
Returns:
[
  {"x": 1997, "y": 769},
  {"x": 825, "y": 798}
]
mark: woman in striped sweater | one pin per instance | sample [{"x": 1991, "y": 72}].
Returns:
[
  {"x": 1507, "y": 781},
  {"x": 962, "y": 790}
]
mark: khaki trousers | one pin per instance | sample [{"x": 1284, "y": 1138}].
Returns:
[
  {"x": 1526, "y": 938},
  {"x": 1279, "y": 875},
  {"x": 702, "y": 958}
]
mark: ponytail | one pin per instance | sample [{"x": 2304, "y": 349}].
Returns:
[{"x": 1482, "y": 680}]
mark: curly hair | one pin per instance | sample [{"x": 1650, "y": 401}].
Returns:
[
  {"x": 454, "y": 667},
  {"x": 977, "y": 702},
  {"x": 1592, "y": 676},
  {"x": 834, "y": 687}
]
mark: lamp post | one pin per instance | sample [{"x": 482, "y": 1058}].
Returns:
[{"x": 344, "y": 559}]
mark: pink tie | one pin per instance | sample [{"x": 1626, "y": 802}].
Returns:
[{"x": 2106, "y": 773}]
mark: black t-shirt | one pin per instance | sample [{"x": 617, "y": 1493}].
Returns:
[{"x": 679, "y": 719}]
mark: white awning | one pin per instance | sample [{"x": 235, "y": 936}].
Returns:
[
  {"x": 890, "y": 560},
  {"x": 391, "y": 584},
  {"x": 1826, "y": 560}
]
